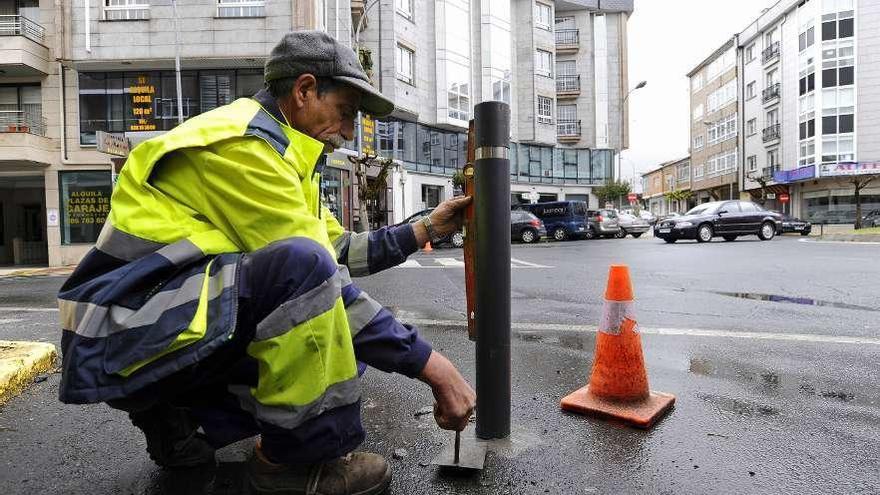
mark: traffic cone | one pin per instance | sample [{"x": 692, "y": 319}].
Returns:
[
  {"x": 618, "y": 385},
  {"x": 427, "y": 247}
]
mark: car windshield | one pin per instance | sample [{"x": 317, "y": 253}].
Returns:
[{"x": 705, "y": 209}]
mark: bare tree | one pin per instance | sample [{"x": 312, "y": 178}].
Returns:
[
  {"x": 860, "y": 183},
  {"x": 369, "y": 191},
  {"x": 762, "y": 180}
]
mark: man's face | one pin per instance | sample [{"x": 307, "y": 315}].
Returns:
[{"x": 329, "y": 118}]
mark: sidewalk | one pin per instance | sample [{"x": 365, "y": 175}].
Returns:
[
  {"x": 737, "y": 427},
  {"x": 31, "y": 271}
]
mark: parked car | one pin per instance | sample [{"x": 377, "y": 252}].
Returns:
[
  {"x": 456, "y": 238},
  {"x": 872, "y": 219},
  {"x": 796, "y": 225},
  {"x": 631, "y": 225},
  {"x": 562, "y": 219},
  {"x": 602, "y": 223},
  {"x": 727, "y": 219},
  {"x": 667, "y": 216},
  {"x": 648, "y": 217},
  {"x": 526, "y": 227}
]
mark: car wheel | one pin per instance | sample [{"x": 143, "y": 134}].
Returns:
[
  {"x": 670, "y": 241},
  {"x": 560, "y": 234},
  {"x": 730, "y": 238},
  {"x": 636, "y": 236},
  {"x": 528, "y": 236},
  {"x": 704, "y": 233},
  {"x": 590, "y": 233},
  {"x": 458, "y": 239},
  {"x": 768, "y": 230},
  {"x": 620, "y": 234}
]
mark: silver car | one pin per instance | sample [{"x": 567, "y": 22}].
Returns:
[{"x": 631, "y": 225}]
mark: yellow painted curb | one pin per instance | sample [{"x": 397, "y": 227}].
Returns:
[{"x": 20, "y": 362}]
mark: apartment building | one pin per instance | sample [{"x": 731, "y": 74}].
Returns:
[
  {"x": 814, "y": 118},
  {"x": 714, "y": 135},
  {"x": 667, "y": 189},
  {"x": 560, "y": 65}
]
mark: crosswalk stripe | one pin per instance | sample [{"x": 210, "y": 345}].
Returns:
[
  {"x": 449, "y": 262},
  {"x": 526, "y": 263},
  {"x": 409, "y": 264}
]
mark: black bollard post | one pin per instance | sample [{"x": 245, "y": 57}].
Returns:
[{"x": 492, "y": 218}]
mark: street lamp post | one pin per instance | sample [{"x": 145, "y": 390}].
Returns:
[{"x": 640, "y": 85}]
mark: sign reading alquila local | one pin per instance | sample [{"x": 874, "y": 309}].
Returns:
[{"x": 141, "y": 95}]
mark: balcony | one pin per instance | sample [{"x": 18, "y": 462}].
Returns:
[
  {"x": 771, "y": 93},
  {"x": 22, "y": 52},
  {"x": 767, "y": 172},
  {"x": 568, "y": 130},
  {"x": 567, "y": 40},
  {"x": 568, "y": 85},
  {"x": 22, "y": 139},
  {"x": 771, "y": 133},
  {"x": 771, "y": 53}
]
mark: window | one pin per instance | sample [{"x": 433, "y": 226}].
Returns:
[
  {"x": 807, "y": 129},
  {"x": 543, "y": 15},
  {"x": 405, "y": 64},
  {"x": 752, "y": 163},
  {"x": 750, "y": 53},
  {"x": 750, "y": 90},
  {"x": 722, "y": 97},
  {"x": 721, "y": 163},
  {"x": 752, "y": 127},
  {"x": 838, "y": 26},
  {"x": 698, "y": 171},
  {"x": 21, "y": 110},
  {"x": 697, "y": 82},
  {"x": 807, "y": 153},
  {"x": 844, "y": 76},
  {"x": 566, "y": 113},
  {"x": 773, "y": 159},
  {"x": 772, "y": 117},
  {"x": 543, "y": 62},
  {"x": 806, "y": 39},
  {"x": 838, "y": 124},
  {"x": 721, "y": 64},
  {"x": 722, "y": 129},
  {"x": 684, "y": 172},
  {"x": 698, "y": 142},
  {"x": 241, "y": 8},
  {"x": 85, "y": 203},
  {"x": 431, "y": 195},
  {"x": 545, "y": 109},
  {"x": 698, "y": 112},
  {"x": 807, "y": 84},
  {"x": 126, "y": 10},
  {"x": 459, "y": 101},
  {"x": 404, "y": 8},
  {"x": 772, "y": 77},
  {"x": 566, "y": 68}
]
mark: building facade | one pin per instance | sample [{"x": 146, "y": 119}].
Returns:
[
  {"x": 714, "y": 135},
  {"x": 816, "y": 108},
  {"x": 560, "y": 66},
  {"x": 667, "y": 189}
]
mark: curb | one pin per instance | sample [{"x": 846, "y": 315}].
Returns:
[
  {"x": 32, "y": 272},
  {"x": 20, "y": 363}
]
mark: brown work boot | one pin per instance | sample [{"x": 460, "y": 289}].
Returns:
[{"x": 358, "y": 473}]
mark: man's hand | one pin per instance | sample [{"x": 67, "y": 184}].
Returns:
[
  {"x": 445, "y": 219},
  {"x": 455, "y": 399}
]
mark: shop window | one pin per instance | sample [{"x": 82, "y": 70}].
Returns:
[{"x": 85, "y": 204}]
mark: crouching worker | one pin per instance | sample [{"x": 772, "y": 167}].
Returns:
[{"x": 217, "y": 304}]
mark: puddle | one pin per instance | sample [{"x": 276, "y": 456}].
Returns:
[{"x": 794, "y": 300}]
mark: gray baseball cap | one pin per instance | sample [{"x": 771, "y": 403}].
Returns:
[{"x": 317, "y": 53}]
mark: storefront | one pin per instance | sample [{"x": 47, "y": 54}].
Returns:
[
  {"x": 830, "y": 198},
  {"x": 84, "y": 205}
]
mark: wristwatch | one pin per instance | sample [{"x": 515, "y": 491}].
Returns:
[{"x": 429, "y": 228}]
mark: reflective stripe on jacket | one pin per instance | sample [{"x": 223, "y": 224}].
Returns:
[{"x": 159, "y": 290}]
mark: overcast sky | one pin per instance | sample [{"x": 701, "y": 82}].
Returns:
[{"x": 668, "y": 38}]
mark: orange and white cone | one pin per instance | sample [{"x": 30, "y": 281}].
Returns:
[{"x": 618, "y": 385}]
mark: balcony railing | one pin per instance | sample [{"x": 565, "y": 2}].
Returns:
[
  {"x": 771, "y": 92},
  {"x": 19, "y": 121},
  {"x": 771, "y": 133},
  {"x": 767, "y": 172},
  {"x": 567, "y": 37},
  {"x": 771, "y": 52},
  {"x": 568, "y": 128},
  {"x": 568, "y": 84},
  {"x": 18, "y": 25}
]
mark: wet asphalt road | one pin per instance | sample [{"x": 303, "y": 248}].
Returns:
[{"x": 760, "y": 407}]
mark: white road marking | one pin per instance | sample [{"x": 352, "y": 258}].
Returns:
[
  {"x": 4, "y": 321},
  {"x": 526, "y": 263},
  {"x": 449, "y": 261},
  {"x": 857, "y": 243},
  {"x": 409, "y": 264},
  {"x": 688, "y": 332},
  {"x": 28, "y": 310}
]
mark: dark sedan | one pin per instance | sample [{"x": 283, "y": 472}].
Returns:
[
  {"x": 727, "y": 219},
  {"x": 524, "y": 227},
  {"x": 791, "y": 224}
]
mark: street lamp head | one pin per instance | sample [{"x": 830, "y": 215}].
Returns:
[{"x": 641, "y": 84}]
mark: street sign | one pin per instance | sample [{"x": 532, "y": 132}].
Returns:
[
  {"x": 113, "y": 143},
  {"x": 784, "y": 198},
  {"x": 632, "y": 197},
  {"x": 771, "y": 195}
]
